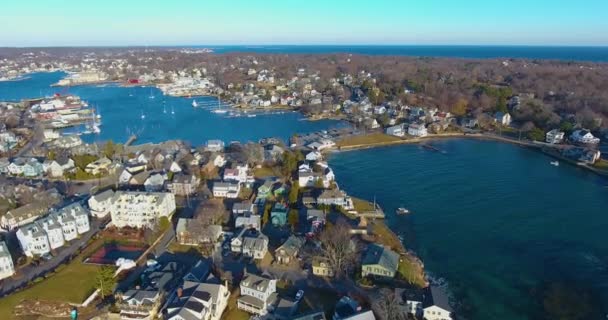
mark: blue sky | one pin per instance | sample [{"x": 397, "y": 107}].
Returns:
[{"x": 176, "y": 22}]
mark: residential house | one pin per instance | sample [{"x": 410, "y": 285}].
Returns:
[
  {"x": 23, "y": 215},
  {"x": 410, "y": 301},
  {"x": 417, "y": 130},
  {"x": 4, "y": 163},
  {"x": 278, "y": 215},
  {"x": 33, "y": 168},
  {"x": 219, "y": 160},
  {"x": 584, "y": 136},
  {"x": 228, "y": 190},
  {"x": 321, "y": 144},
  {"x": 288, "y": 251},
  {"x": 502, "y": 118},
  {"x": 397, "y": 131},
  {"x": 144, "y": 301},
  {"x": 101, "y": 203},
  {"x": 16, "y": 166},
  {"x": 314, "y": 156},
  {"x": 249, "y": 221},
  {"x": 321, "y": 267},
  {"x": 33, "y": 240},
  {"x": 184, "y": 184},
  {"x": 335, "y": 197},
  {"x": 155, "y": 183},
  {"x": 7, "y": 269},
  {"x": 554, "y": 136},
  {"x": 238, "y": 174},
  {"x": 251, "y": 243},
  {"x": 125, "y": 177},
  {"x": 193, "y": 232},
  {"x": 58, "y": 167},
  {"x": 436, "y": 304},
  {"x": 67, "y": 142},
  {"x": 99, "y": 166},
  {"x": 215, "y": 145},
  {"x": 140, "y": 209},
  {"x": 257, "y": 294},
  {"x": 379, "y": 261},
  {"x": 469, "y": 123},
  {"x": 201, "y": 272},
  {"x": 243, "y": 208},
  {"x": 198, "y": 301},
  {"x": 316, "y": 219},
  {"x": 349, "y": 309}
]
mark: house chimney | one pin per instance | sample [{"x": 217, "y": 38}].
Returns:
[{"x": 180, "y": 292}]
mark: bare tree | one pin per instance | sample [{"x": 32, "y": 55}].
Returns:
[
  {"x": 386, "y": 306},
  {"x": 338, "y": 247},
  {"x": 211, "y": 212}
]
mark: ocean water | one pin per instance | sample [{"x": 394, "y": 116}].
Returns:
[
  {"x": 497, "y": 221},
  {"x": 595, "y": 54},
  {"x": 122, "y": 109}
]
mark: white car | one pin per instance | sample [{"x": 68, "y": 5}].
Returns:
[{"x": 299, "y": 295}]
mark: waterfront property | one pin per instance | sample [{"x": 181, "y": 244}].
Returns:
[
  {"x": 584, "y": 136},
  {"x": 436, "y": 305},
  {"x": 379, "y": 261},
  {"x": 554, "y": 136},
  {"x": 417, "y": 130}
]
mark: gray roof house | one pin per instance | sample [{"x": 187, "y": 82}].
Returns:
[{"x": 379, "y": 261}]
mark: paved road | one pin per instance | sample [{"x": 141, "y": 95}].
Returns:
[{"x": 64, "y": 254}]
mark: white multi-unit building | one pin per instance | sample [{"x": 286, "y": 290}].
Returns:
[
  {"x": 397, "y": 131},
  {"x": 140, "y": 209},
  {"x": 7, "y": 268},
  {"x": 584, "y": 136},
  {"x": 52, "y": 231},
  {"x": 417, "y": 130},
  {"x": 101, "y": 203},
  {"x": 555, "y": 136},
  {"x": 226, "y": 189},
  {"x": 257, "y": 294}
]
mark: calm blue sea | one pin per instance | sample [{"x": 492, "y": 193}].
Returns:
[
  {"x": 122, "y": 109},
  {"x": 496, "y": 220},
  {"x": 596, "y": 54}
]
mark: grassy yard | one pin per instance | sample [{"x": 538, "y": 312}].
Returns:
[
  {"x": 601, "y": 164},
  {"x": 373, "y": 138},
  {"x": 385, "y": 236},
  {"x": 232, "y": 312},
  {"x": 264, "y": 172},
  {"x": 72, "y": 283},
  {"x": 362, "y": 205},
  {"x": 411, "y": 271}
]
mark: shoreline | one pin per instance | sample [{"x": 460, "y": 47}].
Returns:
[{"x": 475, "y": 136}]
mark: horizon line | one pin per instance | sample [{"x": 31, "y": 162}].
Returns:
[{"x": 309, "y": 45}]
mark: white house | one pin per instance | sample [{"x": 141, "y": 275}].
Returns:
[
  {"x": 398, "y": 130},
  {"x": 140, "y": 209},
  {"x": 584, "y": 136},
  {"x": 215, "y": 145},
  {"x": 219, "y": 161},
  {"x": 251, "y": 243},
  {"x": 314, "y": 156},
  {"x": 238, "y": 174},
  {"x": 198, "y": 301},
  {"x": 257, "y": 294},
  {"x": 228, "y": 190},
  {"x": 7, "y": 268},
  {"x": 555, "y": 136},
  {"x": 33, "y": 240},
  {"x": 321, "y": 144},
  {"x": 436, "y": 304},
  {"x": 155, "y": 182},
  {"x": 417, "y": 130},
  {"x": 502, "y": 118},
  {"x": 101, "y": 203}
]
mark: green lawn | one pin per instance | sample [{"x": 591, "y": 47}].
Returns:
[
  {"x": 373, "y": 138},
  {"x": 264, "y": 172},
  {"x": 362, "y": 205},
  {"x": 73, "y": 284}
]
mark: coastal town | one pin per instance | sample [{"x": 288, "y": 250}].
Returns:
[{"x": 232, "y": 230}]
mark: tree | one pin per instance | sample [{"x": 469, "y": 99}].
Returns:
[
  {"x": 536, "y": 134},
  {"x": 293, "y": 193},
  {"x": 52, "y": 155},
  {"x": 319, "y": 183},
  {"x": 109, "y": 149},
  {"x": 289, "y": 163},
  {"x": 266, "y": 215},
  {"x": 338, "y": 247},
  {"x": 105, "y": 281},
  {"x": 386, "y": 306},
  {"x": 460, "y": 107},
  {"x": 212, "y": 212},
  {"x": 293, "y": 218}
]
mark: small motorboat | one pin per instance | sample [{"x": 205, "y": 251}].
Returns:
[
  {"x": 403, "y": 211},
  {"x": 555, "y": 163}
]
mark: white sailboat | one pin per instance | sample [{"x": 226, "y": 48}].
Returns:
[
  {"x": 194, "y": 103},
  {"x": 164, "y": 109},
  {"x": 143, "y": 116},
  {"x": 219, "y": 107},
  {"x": 151, "y": 96},
  {"x": 172, "y": 110}
]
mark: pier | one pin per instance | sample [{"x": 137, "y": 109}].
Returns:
[{"x": 132, "y": 139}]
